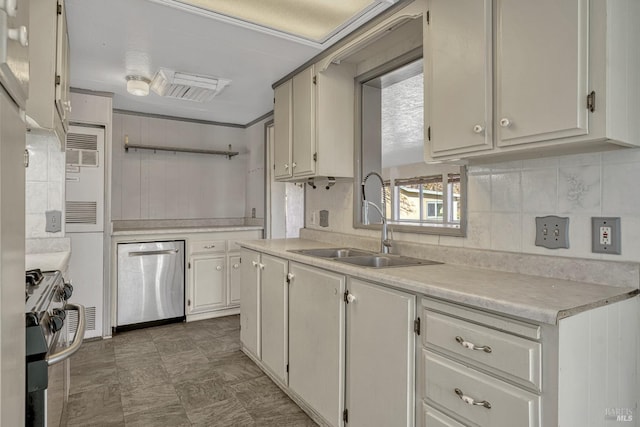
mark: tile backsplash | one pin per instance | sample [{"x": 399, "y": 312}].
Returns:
[
  {"x": 45, "y": 183},
  {"x": 504, "y": 199}
]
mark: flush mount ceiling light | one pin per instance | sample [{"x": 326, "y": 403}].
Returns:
[
  {"x": 190, "y": 87},
  {"x": 138, "y": 85},
  {"x": 311, "y": 20}
]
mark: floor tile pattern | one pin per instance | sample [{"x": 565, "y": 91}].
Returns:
[{"x": 184, "y": 374}]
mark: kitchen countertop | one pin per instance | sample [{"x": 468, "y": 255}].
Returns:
[
  {"x": 186, "y": 229},
  {"x": 534, "y": 298},
  {"x": 48, "y": 261}
]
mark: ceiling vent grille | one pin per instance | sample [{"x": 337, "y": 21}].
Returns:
[{"x": 190, "y": 87}]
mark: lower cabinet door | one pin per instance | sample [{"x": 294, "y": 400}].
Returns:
[
  {"x": 274, "y": 317},
  {"x": 316, "y": 340},
  {"x": 233, "y": 290},
  {"x": 208, "y": 281},
  {"x": 250, "y": 301},
  {"x": 380, "y": 356},
  {"x": 433, "y": 418}
]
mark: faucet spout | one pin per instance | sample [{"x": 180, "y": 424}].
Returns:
[{"x": 385, "y": 242}]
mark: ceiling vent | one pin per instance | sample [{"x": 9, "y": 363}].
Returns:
[{"x": 190, "y": 87}]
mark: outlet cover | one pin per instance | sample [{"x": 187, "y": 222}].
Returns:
[
  {"x": 605, "y": 235},
  {"x": 324, "y": 218},
  {"x": 54, "y": 221},
  {"x": 552, "y": 232}
]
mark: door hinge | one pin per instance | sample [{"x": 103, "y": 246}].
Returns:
[
  {"x": 591, "y": 101},
  {"x": 429, "y": 133},
  {"x": 287, "y": 367},
  {"x": 288, "y": 280},
  {"x": 345, "y": 415},
  {"x": 189, "y": 302},
  {"x": 346, "y": 297},
  {"x": 274, "y": 100},
  {"x": 189, "y": 264},
  {"x": 274, "y": 166},
  {"x": 59, "y": 9},
  {"x": 428, "y": 17},
  {"x": 315, "y": 157},
  {"x": 26, "y": 158},
  {"x": 57, "y": 79},
  {"x": 315, "y": 80},
  {"x": 416, "y": 326}
]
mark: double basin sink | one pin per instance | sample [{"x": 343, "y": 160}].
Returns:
[{"x": 363, "y": 258}]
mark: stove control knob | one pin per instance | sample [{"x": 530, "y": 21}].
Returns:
[
  {"x": 60, "y": 313},
  {"x": 56, "y": 323},
  {"x": 66, "y": 291}
]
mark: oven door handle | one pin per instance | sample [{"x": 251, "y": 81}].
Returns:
[{"x": 77, "y": 340}]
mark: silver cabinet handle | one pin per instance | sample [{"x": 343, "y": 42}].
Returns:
[
  {"x": 505, "y": 122},
  {"x": 286, "y": 166},
  {"x": 290, "y": 276},
  {"x": 261, "y": 265},
  {"x": 236, "y": 265},
  {"x": 209, "y": 246},
  {"x": 472, "y": 346},
  {"x": 478, "y": 129},
  {"x": 293, "y": 165},
  {"x": 77, "y": 340},
  {"x": 470, "y": 400},
  {"x": 254, "y": 263},
  {"x": 165, "y": 252},
  {"x": 219, "y": 268}
]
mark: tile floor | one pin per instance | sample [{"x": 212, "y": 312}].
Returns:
[{"x": 186, "y": 374}]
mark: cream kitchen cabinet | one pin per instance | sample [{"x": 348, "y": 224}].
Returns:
[
  {"x": 314, "y": 124},
  {"x": 316, "y": 339},
  {"x": 555, "y": 73},
  {"x": 49, "y": 103},
  {"x": 380, "y": 356},
  {"x": 233, "y": 267},
  {"x": 208, "y": 284},
  {"x": 250, "y": 321}
]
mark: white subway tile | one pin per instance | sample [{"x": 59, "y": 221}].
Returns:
[
  {"x": 579, "y": 189},
  {"x": 505, "y": 192},
  {"x": 540, "y": 190},
  {"x": 506, "y": 232}
]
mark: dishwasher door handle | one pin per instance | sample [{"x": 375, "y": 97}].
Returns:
[{"x": 161, "y": 252}]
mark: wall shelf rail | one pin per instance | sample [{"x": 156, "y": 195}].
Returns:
[{"x": 229, "y": 153}]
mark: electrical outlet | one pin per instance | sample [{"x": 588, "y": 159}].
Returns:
[
  {"x": 54, "y": 221},
  {"x": 552, "y": 232},
  {"x": 605, "y": 235}
]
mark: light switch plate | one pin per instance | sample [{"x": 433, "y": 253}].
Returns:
[
  {"x": 552, "y": 232},
  {"x": 54, "y": 221},
  {"x": 605, "y": 235}
]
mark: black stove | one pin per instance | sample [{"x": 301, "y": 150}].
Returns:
[{"x": 45, "y": 300}]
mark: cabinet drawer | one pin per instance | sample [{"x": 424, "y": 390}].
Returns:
[
  {"x": 483, "y": 400},
  {"x": 207, "y": 246},
  {"x": 433, "y": 418},
  {"x": 508, "y": 354}
]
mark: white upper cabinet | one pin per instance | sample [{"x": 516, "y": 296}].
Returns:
[
  {"x": 529, "y": 78},
  {"x": 314, "y": 122}
]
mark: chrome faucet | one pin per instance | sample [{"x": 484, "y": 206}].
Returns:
[{"x": 385, "y": 242}]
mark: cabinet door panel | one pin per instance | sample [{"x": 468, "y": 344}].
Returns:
[
  {"x": 250, "y": 302},
  {"x": 380, "y": 356},
  {"x": 274, "y": 302},
  {"x": 304, "y": 117},
  {"x": 316, "y": 340},
  {"x": 208, "y": 282},
  {"x": 542, "y": 70},
  {"x": 233, "y": 297},
  {"x": 282, "y": 127},
  {"x": 459, "y": 90}
]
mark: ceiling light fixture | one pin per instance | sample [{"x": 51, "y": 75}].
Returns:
[{"x": 138, "y": 85}]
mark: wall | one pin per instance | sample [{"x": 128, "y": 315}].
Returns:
[
  {"x": 45, "y": 182},
  {"x": 504, "y": 199},
  {"x": 170, "y": 185}
]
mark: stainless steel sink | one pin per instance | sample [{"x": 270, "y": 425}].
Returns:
[
  {"x": 332, "y": 252},
  {"x": 386, "y": 260}
]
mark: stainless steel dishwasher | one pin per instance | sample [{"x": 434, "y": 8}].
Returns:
[{"x": 150, "y": 283}]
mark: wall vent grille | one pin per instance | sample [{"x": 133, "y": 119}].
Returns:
[
  {"x": 72, "y": 321},
  {"x": 82, "y": 141},
  {"x": 81, "y": 212}
]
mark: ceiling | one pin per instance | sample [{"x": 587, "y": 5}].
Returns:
[{"x": 115, "y": 38}]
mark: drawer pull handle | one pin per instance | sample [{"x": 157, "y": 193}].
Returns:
[
  {"x": 472, "y": 346},
  {"x": 209, "y": 246},
  {"x": 471, "y": 401}
]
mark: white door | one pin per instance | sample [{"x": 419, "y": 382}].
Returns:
[
  {"x": 208, "y": 283},
  {"x": 304, "y": 119},
  {"x": 316, "y": 339},
  {"x": 250, "y": 301},
  {"x": 380, "y": 356},
  {"x": 541, "y": 70},
  {"x": 282, "y": 117},
  {"x": 233, "y": 294},
  {"x": 458, "y": 70},
  {"x": 274, "y": 304}
]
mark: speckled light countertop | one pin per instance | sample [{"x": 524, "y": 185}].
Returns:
[
  {"x": 186, "y": 229},
  {"x": 48, "y": 261},
  {"x": 534, "y": 298}
]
